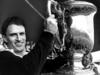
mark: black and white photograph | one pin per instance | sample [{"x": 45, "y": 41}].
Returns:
[{"x": 49, "y": 37}]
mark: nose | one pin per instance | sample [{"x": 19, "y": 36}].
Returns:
[{"x": 18, "y": 37}]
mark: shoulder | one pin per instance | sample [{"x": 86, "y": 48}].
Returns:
[
  {"x": 8, "y": 56},
  {"x": 5, "y": 53}
]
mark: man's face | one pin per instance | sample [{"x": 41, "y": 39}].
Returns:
[{"x": 16, "y": 37}]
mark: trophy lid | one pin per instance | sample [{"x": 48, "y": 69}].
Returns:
[{"x": 82, "y": 8}]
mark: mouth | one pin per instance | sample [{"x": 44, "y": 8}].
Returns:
[{"x": 19, "y": 44}]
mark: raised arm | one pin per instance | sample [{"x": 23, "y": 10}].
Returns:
[{"x": 34, "y": 61}]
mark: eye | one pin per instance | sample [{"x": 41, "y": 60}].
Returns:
[
  {"x": 22, "y": 33},
  {"x": 13, "y": 34}
]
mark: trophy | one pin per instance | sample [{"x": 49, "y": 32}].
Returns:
[{"x": 75, "y": 30}]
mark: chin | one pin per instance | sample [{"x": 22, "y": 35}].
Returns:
[{"x": 18, "y": 50}]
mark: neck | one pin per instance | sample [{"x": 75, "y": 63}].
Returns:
[
  {"x": 20, "y": 54},
  {"x": 17, "y": 53}
]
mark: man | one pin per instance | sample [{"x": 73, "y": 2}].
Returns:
[{"x": 15, "y": 60}]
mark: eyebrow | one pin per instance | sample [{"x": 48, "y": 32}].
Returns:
[
  {"x": 12, "y": 34},
  {"x": 22, "y": 32},
  {"x": 16, "y": 33}
]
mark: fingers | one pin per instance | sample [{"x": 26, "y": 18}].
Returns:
[
  {"x": 52, "y": 24},
  {"x": 51, "y": 20},
  {"x": 52, "y": 16}
]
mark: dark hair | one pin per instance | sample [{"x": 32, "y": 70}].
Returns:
[{"x": 11, "y": 20}]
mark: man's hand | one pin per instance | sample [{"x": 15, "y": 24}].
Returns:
[{"x": 52, "y": 25}]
